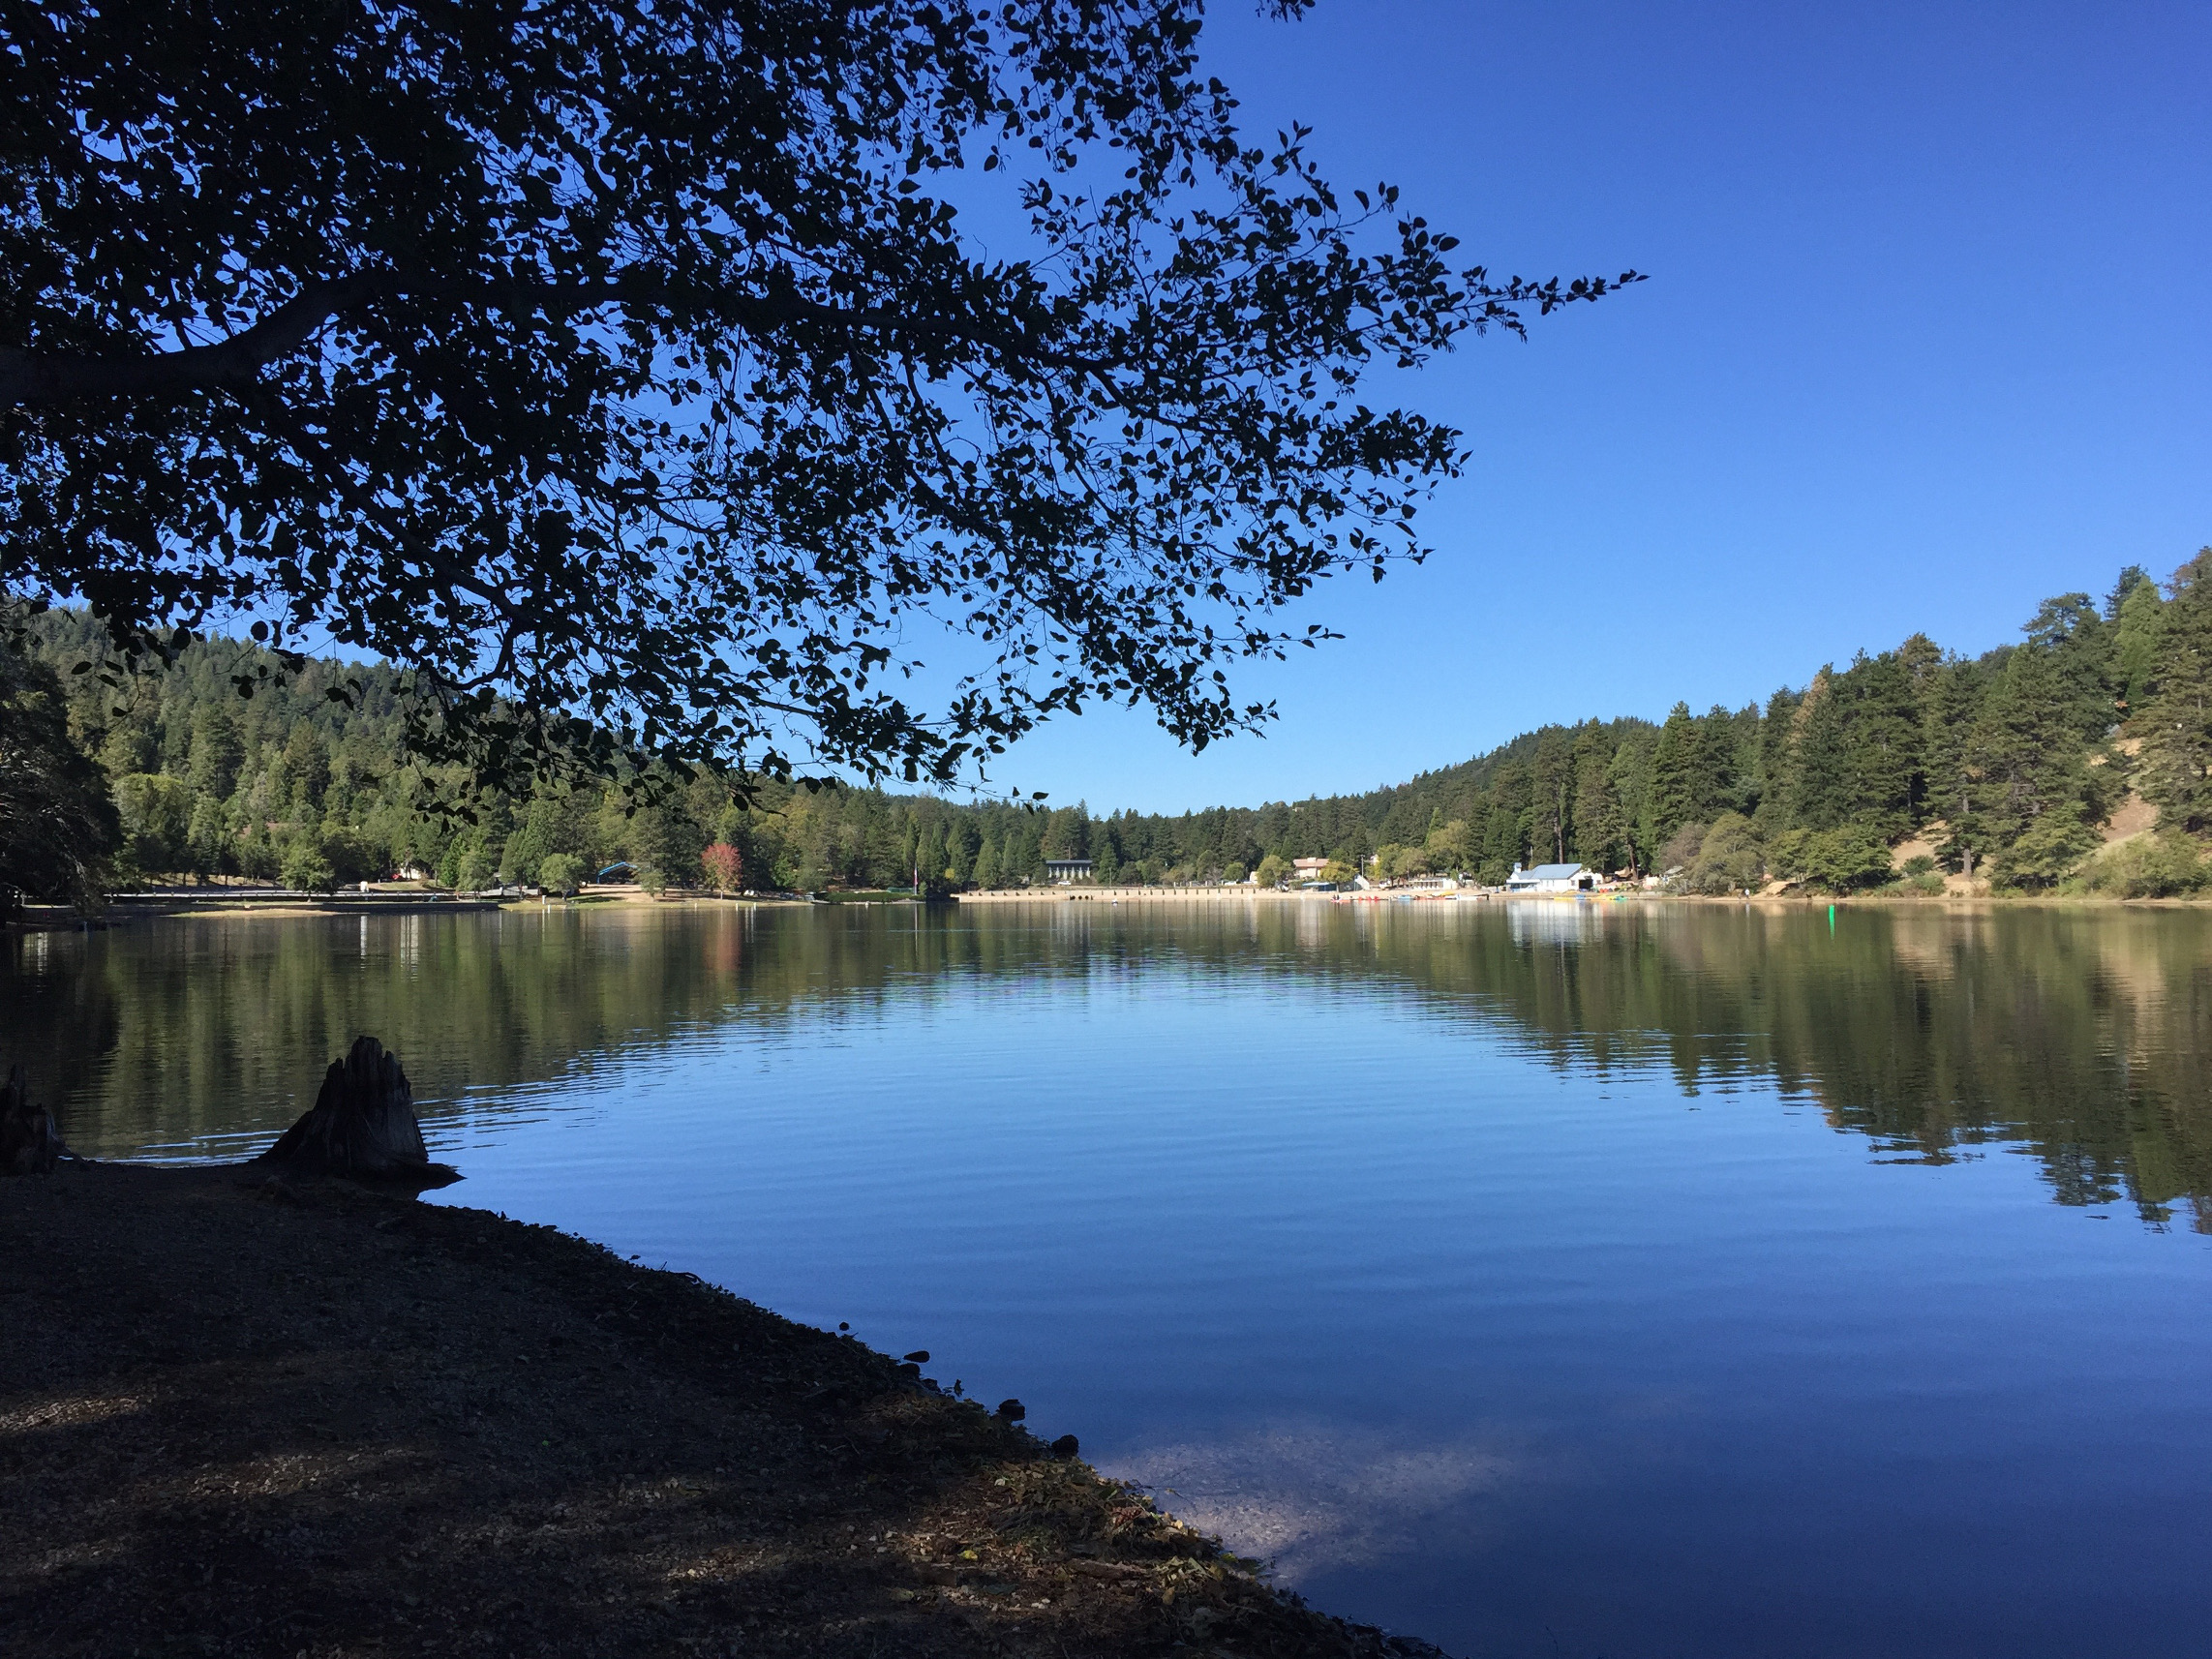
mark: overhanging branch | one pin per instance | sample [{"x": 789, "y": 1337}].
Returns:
[{"x": 32, "y": 378}]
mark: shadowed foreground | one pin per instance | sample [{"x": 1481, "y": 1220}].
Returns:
[{"x": 241, "y": 1417}]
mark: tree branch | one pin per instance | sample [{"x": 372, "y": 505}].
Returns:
[{"x": 50, "y": 378}]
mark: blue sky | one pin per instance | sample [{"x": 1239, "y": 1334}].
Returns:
[{"x": 1925, "y": 340}]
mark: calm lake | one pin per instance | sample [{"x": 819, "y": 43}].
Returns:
[{"x": 1548, "y": 1278}]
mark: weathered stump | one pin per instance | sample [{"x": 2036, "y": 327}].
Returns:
[
  {"x": 362, "y": 1124},
  {"x": 30, "y": 1141}
]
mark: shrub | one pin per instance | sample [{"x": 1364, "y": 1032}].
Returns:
[
  {"x": 2164, "y": 866},
  {"x": 2046, "y": 850},
  {"x": 1728, "y": 859},
  {"x": 652, "y": 882},
  {"x": 1851, "y": 857}
]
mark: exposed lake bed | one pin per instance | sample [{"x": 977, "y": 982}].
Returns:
[{"x": 1659, "y": 1279}]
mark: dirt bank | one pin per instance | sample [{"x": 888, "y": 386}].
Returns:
[{"x": 260, "y": 1420}]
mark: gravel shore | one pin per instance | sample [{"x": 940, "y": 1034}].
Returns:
[{"x": 245, "y": 1416}]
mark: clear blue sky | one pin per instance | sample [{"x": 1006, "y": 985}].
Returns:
[{"x": 1925, "y": 340}]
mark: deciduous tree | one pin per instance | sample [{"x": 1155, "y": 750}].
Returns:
[
  {"x": 635, "y": 365},
  {"x": 724, "y": 869}
]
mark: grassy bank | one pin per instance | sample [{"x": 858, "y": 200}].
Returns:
[{"x": 241, "y": 1417}]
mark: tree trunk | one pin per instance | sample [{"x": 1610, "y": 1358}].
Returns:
[
  {"x": 362, "y": 1124},
  {"x": 30, "y": 1142}
]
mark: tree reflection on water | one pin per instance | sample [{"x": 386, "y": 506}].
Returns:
[{"x": 2075, "y": 1035}]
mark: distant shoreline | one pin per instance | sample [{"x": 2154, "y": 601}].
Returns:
[{"x": 218, "y": 905}]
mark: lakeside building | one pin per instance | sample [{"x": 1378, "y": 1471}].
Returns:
[
  {"x": 1065, "y": 870},
  {"x": 1551, "y": 878},
  {"x": 1308, "y": 869},
  {"x": 1429, "y": 884}
]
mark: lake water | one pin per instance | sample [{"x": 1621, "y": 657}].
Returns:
[{"x": 1549, "y": 1279}]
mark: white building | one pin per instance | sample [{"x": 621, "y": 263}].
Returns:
[
  {"x": 1551, "y": 878},
  {"x": 1065, "y": 870}
]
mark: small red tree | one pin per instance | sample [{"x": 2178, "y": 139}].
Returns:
[{"x": 723, "y": 865}]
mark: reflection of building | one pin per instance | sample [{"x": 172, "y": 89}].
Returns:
[
  {"x": 1551, "y": 878},
  {"x": 1068, "y": 869},
  {"x": 1554, "y": 923}
]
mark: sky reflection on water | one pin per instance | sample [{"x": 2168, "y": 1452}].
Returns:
[{"x": 1542, "y": 1280}]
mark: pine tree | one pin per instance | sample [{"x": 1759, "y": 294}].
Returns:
[
  {"x": 1721, "y": 767},
  {"x": 1821, "y": 794},
  {"x": 1551, "y": 794},
  {"x": 2176, "y": 762},
  {"x": 2136, "y": 644},
  {"x": 2131, "y": 577},
  {"x": 987, "y": 865},
  {"x": 2080, "y": 648},
  {"x": 1630, "y": 779},
  {"x": 1678, "y": 786},
  {"x": 1884, "y": 743},
  {"x": 216, "y": 751},
  {"x": 2034, "y": 817},
  {"x": 1775, "y": 734},
  {"x": 1952, "y": 706},
  {"x": 1597, "y": 821}
]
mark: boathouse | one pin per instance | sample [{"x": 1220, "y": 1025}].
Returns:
[{"x": 1551, "y": 878}]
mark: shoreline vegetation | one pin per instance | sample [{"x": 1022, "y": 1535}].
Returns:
[
  {"x": 254, "y": 1415},
  {"x": 2076, "y": 761}
]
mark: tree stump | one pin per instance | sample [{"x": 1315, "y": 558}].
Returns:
[
  {"x": 362, "y": 1124},
  {"x": 30, "y": 1141}
]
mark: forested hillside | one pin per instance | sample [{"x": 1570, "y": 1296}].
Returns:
[{"x": 2006, "y": 764}]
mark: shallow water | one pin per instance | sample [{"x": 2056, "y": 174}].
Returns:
[{"x": 1547, "y": 1279}]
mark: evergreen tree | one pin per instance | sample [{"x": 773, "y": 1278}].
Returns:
[
  {"x": 1821, "y": 793},
  {"x": 1885, "y": 745},
  {"x": 987, "y": 865},
  {"x": 2027, "y": 763},
  {"x": 1630, "y": 777},
  {"x": 1774, "y": 733},
  {"x": 217, "y": 750},
  {"x": 1954, "y": 705},
  {"x": 2081, "y": 650},
  {"x": 1598, "y": 824},
  {"x": 1503, "y": 843},
  {"x": 1551, "y": 794},
  {"x": 2176, "y": 762},
  {"x": 2131, "y": 577},
  {"x": 2135, "y": 644},
  {"x": 1678, "y": 786},
  {"x": 1721, "y": 772}
]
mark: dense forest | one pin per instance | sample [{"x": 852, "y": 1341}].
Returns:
[{"x": 2005, "y": 765}]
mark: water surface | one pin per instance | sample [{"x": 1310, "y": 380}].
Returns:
[{"x": 1547, "y": 1279}]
